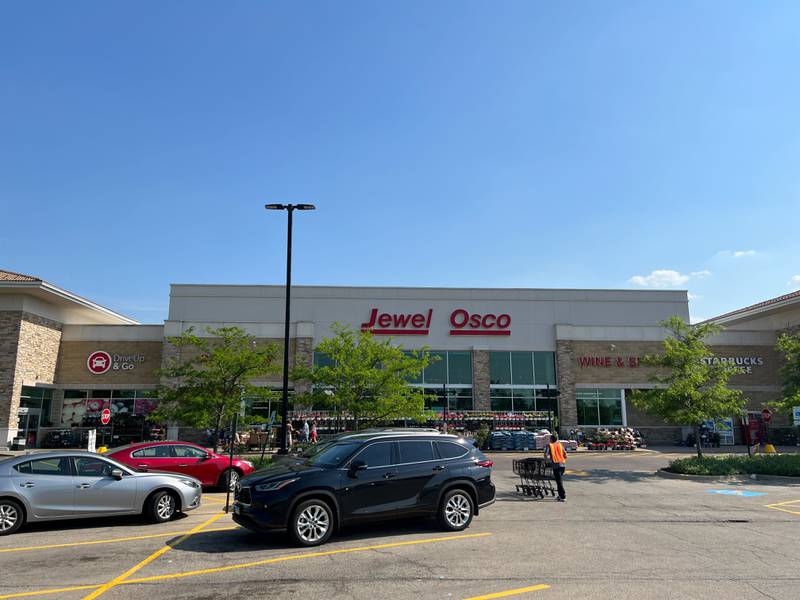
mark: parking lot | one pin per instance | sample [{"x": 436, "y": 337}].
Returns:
[{"x": 622, "y": 533}]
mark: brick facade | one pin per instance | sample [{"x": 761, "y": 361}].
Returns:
[
  {"x": 481, "y": 382},
  {"x": 29, "y": 346},
  {"x": 565, "y": 372}
]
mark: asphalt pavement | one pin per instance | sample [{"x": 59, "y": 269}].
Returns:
[{"x": 623, "y": 533}]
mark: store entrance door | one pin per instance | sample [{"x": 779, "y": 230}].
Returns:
[{"x": 28, "y": 424}]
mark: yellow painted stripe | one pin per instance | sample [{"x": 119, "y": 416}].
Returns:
[
  {"x": 74, "y": 588},
  {"x": 246, "y": 565},
  {"x": 783, "y": 503},
  {"x": 120, "y": 578},
  {"x": 278, "y": 559},
  {"x": 525, "y": 590}
]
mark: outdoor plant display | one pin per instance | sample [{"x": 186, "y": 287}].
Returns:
[{"x": 767, "y": 464}]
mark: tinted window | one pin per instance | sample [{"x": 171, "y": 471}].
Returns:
[
  {"x": 450, "y": 450},
  {"x": 93, "y": 467},
  {"x": 334, "y": 454},
  {"x": 415, "y": 451},
  {"x": 377, "y": 455},
  {"x": 152, "y": 452},
  {"x": 46, "y": 466},
  {"x": 188, "y": 452}
]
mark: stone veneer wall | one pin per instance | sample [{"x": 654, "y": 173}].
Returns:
[
  {"x": 29, "y": 347},
  {"x": 565, "y": 371},
  {"x": 481, "y": 380}
]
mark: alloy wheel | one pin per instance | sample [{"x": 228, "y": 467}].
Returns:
[
  {"x": 233, "y": 480},
  {"x": 8, "y": 517},
  {"x": 457, "y": 510},
  {"x": 313, "y": 523},
  {"x": 165, "y": 507}
]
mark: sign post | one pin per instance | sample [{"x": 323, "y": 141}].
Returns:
[{"x": 92, "y": 438}]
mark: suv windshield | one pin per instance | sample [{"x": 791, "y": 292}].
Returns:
[{"x": 333, "y": 454}]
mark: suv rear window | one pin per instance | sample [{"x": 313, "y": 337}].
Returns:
[
  {"x": 416, "y": 451},
  {"x": 450, "y": 449}
]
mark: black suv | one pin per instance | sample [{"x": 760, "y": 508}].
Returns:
[{"x": 367, "y": 477}]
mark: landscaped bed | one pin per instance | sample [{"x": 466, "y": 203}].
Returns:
[{"x": 787, "y": 465}]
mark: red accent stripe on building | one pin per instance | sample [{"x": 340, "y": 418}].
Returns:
[
  {"x": 480, "y": 332},
  {"x": 398, "y": 331}
]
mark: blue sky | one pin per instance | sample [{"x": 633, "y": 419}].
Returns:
[{"x": 523, "y": 144}]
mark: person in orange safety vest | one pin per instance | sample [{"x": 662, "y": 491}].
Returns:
[{"x": 556, "y": 457}]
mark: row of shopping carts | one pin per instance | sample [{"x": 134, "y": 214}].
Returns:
[{"x": 535, "y": 477}]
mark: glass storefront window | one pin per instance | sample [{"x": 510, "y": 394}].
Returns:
[
  {"x": 599, "y": 406},
  {"x": 459, "y": 368},
  {"x": 500, "y": 367},
  {"x": 501, "y": 399},
  {"x": 436, "y": 371},
  {"x": 322, "y": 360},
  {"x": 522, "y": 368},
  {"x": 544, "y": 368}
]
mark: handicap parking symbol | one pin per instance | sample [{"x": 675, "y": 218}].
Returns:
[{"x": 745, "y": 493}]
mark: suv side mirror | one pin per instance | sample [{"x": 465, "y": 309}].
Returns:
[
  {"x": 357, "y": 465},
  {"x": 116, "y": 474}
]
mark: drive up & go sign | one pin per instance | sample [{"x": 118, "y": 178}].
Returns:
[{"x": 462, "y": 322}]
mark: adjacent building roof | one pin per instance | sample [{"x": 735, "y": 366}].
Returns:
[
  {"x": 11, "y": 276},
  {"x": 29, "y": 293},
  {"x": 759, "y": 308}
]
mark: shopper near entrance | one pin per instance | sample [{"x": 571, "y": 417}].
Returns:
[
  {"x": 306, "y": 431},
  {"x": 555, "y": 455},
  {"x": 314, "y": 432}
]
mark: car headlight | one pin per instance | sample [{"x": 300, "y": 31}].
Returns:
[
  {"x": 189, "y": 483},
  {"x": 273, "y": 485}
]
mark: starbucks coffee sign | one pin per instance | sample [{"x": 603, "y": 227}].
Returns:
[{"x": 744, "y": 363}]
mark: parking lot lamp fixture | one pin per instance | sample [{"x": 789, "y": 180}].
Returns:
[{"x": 289, "y": 208}]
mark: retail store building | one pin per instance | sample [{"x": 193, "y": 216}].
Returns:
[{"x": 65, "y": 358}]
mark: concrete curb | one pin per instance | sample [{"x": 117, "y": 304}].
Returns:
[{"x": 728, "y": 478}]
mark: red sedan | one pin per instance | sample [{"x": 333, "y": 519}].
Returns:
[{"x": 182, "y": 457}]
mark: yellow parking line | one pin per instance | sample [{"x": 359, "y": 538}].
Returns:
[
  {"x": 120, "y": 578},
  {"x": 246, "y": 565},
  {"x": 110, "y": 540},
  {"x": 278, "y": 559},
  {"x": 778, "y": 505},
  {"x": 525, "y": 590}
]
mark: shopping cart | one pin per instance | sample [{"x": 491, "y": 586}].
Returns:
[{"x": 535, "y": 477}]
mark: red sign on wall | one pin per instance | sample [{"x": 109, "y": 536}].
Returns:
[
  {"x": 619, "y": 362},
  {"x": 105, "y": 416},
  {"x": 465, "y": 323},
  {"x": 398, "y": 324},
  {"x": 99, "y": 362}
]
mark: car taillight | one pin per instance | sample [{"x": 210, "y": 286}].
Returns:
[{"x": 485, "y": 463}]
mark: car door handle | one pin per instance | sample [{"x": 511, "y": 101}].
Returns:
[
  {"x": 27, "y": 484},
  {"x": 388, "y": 475},
  {"x": 184, "y": 465},
  {"x": 438, "y": 468},
  {"x": 84, "y": 486},
  {"x": 142, "y": 467}
]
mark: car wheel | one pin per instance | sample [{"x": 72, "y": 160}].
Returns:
[
  {"x": 229, "y": 479},
  {"x": 11, "y": 517},
  {"x": 456, "y": 510},
  {"x": 162, "y": 507},
  {"x": 312, "y": 523}
]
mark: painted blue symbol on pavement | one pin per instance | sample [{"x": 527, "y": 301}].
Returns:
[{"x": 745, "y": 493}]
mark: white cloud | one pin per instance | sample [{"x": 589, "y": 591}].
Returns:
[
  {"x": 660, "y": 278},
  {"x": 701, "y": 274},
  {"x": 692, "y": 296},
  {"x": 794, "y": 281},
  {"x": 737, "y": 253}
]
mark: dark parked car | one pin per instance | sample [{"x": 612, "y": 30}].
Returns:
[{"x": 367, "y": 477}]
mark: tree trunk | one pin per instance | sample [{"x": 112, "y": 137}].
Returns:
[
  {"x": 216, "y": 433},
  {"x": 697, "y": 443}
]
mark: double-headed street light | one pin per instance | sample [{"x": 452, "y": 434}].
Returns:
[{"x": 289, "y": 208}]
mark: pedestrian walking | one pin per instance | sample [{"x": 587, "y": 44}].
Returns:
[
  {"x": 306, "y": 431},
  {"x": 555, "y": 455},
  {"x": 313, "y": 432}
]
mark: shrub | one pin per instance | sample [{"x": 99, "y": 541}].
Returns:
[{"x": 766, "y": 464}]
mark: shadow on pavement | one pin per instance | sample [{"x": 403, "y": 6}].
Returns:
[
  {"x": 243, "y": 540},
  {"x": 89, "y": 523}
]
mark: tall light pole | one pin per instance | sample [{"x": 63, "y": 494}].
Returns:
[{"x": 289, "y": 208}]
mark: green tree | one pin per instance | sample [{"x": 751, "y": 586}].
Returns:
[
  {"x": 690, "y": 387},
  {"x": 210, "y": 375},
  {"x": 789, "y": 345},
  {"x": 366, "y": 377}
]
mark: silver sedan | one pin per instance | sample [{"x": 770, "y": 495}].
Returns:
[{"x": 68, "y": 485}]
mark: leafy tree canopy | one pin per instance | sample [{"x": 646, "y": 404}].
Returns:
[
  {"x": 789, "y": 345},
  {"x": 367, "y": 377},
  {"x": 690, "y": 388},
  {"x": 209, "y": 376}
]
